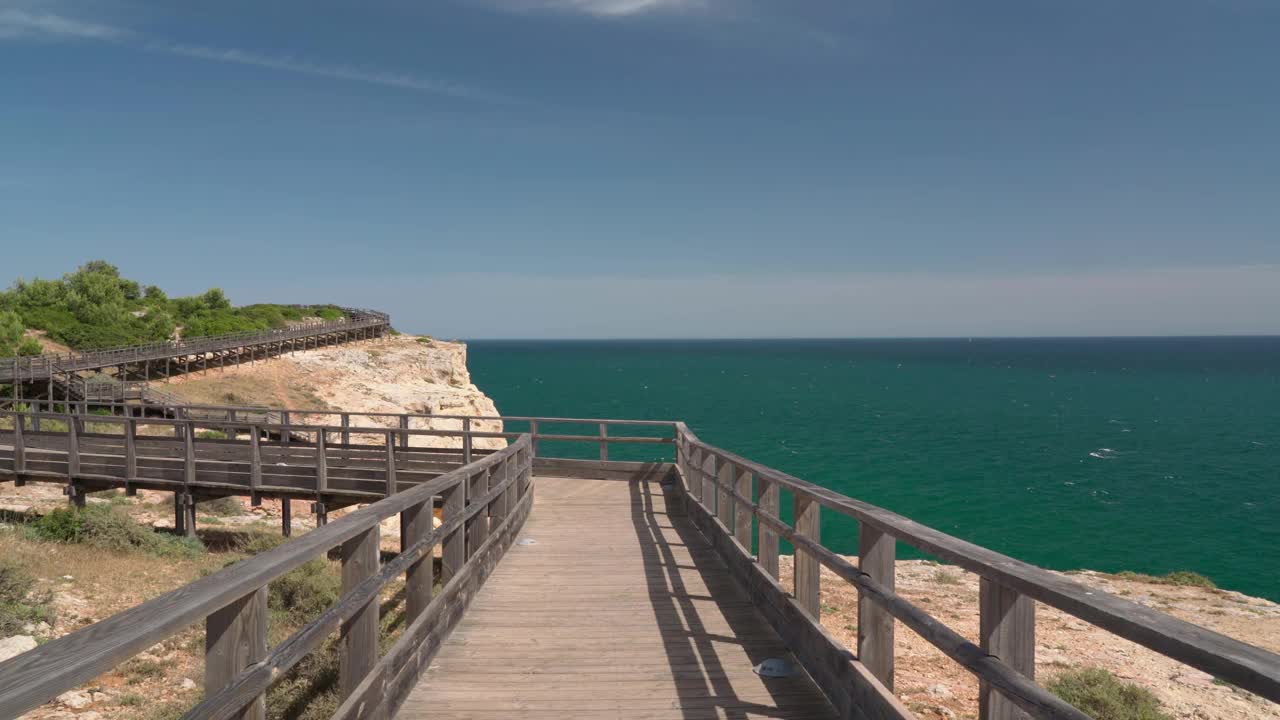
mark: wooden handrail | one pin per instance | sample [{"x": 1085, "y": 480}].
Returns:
[
  {"x": 1007, "y": 583},
  {"x": 43, "y": 673}
]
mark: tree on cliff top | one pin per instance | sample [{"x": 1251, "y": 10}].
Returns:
[{"x": 95, "y": 307}]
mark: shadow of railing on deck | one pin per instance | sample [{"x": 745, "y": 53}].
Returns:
[{"x": 697, "y": 673}]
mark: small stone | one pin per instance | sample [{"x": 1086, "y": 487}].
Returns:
[
  {"x": 16, "y": 645},
  {"x": 67, "y": 577},
  {"x": 940, "y": 691},
  {"x": 188, "y": 684},
  {"x": 75, "y": 700}
]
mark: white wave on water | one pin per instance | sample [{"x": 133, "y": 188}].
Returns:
[{"x": 1103, "y": 453}]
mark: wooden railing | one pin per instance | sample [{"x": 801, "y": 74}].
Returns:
[
  {"x": 44, "y": 366},
  {"x": 347, "y": 423},
  {"x": 734, "y": 497},
  {"x": 485, "y": 504}
]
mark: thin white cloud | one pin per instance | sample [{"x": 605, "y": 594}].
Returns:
[
  {"x": 22, "y": 24},
  {"x": 284, "y": 63},
  {"x": 601, "y": 8},
  {"x": 18, "y": 24}
]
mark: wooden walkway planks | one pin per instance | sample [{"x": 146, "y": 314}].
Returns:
[{"x": 620, "y": 610}]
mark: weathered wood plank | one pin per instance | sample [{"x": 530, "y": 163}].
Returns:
[
  {"x": 235, "y": 638},
  {"x": 877, "y": 553},
  {"x": 1007, "y": 630}
]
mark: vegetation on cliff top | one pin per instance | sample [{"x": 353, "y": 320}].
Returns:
[{"x": 95, "y": 307}]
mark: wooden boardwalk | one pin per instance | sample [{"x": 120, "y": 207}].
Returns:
[{"x": 620, "y": 609}]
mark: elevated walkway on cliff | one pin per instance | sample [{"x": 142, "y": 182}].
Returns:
[
  {"x": 566, "y": 587},
  {"x": 164, "y": 359}
]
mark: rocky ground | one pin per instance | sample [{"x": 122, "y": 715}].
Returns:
[{"x": 935, "y": 687}]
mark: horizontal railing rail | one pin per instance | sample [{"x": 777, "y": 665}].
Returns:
[
  {"x": 484, "y": 505},
  {"x": 721, "y": 483},
  {"x": 296, "y": 420}
]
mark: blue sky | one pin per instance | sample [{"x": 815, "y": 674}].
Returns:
[{"x": 661, "y": 168}]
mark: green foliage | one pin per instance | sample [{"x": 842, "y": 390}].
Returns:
[
  {"x": 10, "y": 333},
  {"x": 303, "y": 593},
  {"x": 1184, "y": 578},
  {"x": 109, "y": 528},
  {"x": 1103, "y": 696},
  {"x": 18, "y": 604},
  {"x": 94, "y": 307},
  {"x": 222, "y": 506},
  {"x": 210, "y": 435}
]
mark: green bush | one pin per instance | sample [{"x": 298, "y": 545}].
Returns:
[
  {"x": 1103, "y": 696},
  {"x": 94, "y": 307},
  {"x": 229, "y": 505},
  {"x": 20, "y": 606},
  {"x": 1184, "y": 578},
  {"x": 302, "y": 594},
  {"x": 109, "y": 528}
]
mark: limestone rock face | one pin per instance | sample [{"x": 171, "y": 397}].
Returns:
[
  {"x": 16, "y": 645},
  {"x": 403, "y": 374}
]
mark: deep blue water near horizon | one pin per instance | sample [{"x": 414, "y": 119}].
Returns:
[{"x": 1143, "y": 454}]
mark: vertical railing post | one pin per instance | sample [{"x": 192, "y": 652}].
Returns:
[
  {"x": 710, "y": 497},
  {"x": 416, "y": 524},
  {"x": 454, "y": 545},
  {"x": 255, "y": 460},
  {"x": 604, "y": 442},
  {"x": 877, "y": 552},
  {"x": 322, "y": 466},
  {"x": 19, "y": 445},
  {"x": 724, "y": 504},
  {"x": 346, "y": 428},
  {"x": 807, "y": 570},
  {"x": 1007, "y": 630},
  {"x": 284, "y": 431},
  {"x": 130, "y": 450},
  {"x": 391, "y": 464},
  {"x": 73, "y": 448},
  {"x": 404, "y": 436},
  {"x": 359, "y": 635},
  {"x": 533, "y": 437},
  {"x": 767, "y": 500},
  {"x": 741, "y": 514},
  {"x": 478, "y": 525},
  {"x": 693, "y": 474},
  {"x": 466, "y": 441},
  {"x": 235, "y": 638}
]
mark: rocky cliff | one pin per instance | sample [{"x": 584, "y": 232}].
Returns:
[{"x": 393, "y": 375}]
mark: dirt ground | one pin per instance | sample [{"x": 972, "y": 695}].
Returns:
[{"x": 935, "y": 687}]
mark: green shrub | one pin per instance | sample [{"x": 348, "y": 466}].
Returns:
[
  {"x": 109, "y": 528},
  {"x": 229, "y": 505},
  {"x": 210, "y": 435},
  {"x": 258, "y": 543},
  {"x": 1103, "y": 696},
  {"x": 303, "y": 593},
  {"x": 1183, "y": 578},
  {"x": 19, "y": 606},
  {"x": 94, "y": 307}
]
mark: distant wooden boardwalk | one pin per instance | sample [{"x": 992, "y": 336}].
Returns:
[{"x": 619, "y": 609}]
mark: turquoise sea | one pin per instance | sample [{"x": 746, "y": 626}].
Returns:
[{"x": 1149, "y": 455}]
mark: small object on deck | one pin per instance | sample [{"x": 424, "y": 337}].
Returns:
[
  {"x": 776, "y": 668},
  {"x": 526, "y": 541}
]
